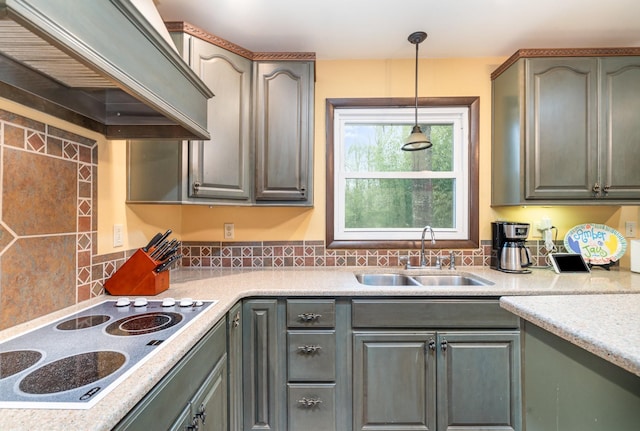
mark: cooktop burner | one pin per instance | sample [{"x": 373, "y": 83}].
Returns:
[
  {"x": 73, "y": 362},
  {"x": 144, "y": 323}
]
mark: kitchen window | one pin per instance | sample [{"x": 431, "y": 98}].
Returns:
[{"x": 379, "y": 196}]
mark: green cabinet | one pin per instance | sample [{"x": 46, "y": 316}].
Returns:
[
  {"x": 284, "y": 131},
  {"x": 261, "y": 125},
  {"x": 394, "y": 380},
  {"x": 263, "y": 366},
  {"x": 568, "y": 388},
  {"x": 295, "y": 364},
  {"x": 193, "y": 393},
  {"x": 411, "y": 371},
  {"x": 234, "y": 352},
  {"x": 561, "y": 129},
  {"x": 221, "y": 168}
]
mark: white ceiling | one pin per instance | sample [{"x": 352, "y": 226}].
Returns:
[{"x": 359, "y": 29}]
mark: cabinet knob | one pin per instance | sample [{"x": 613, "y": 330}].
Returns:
[
  {"x": 309, "y": 317},
  {"x": 605, "y": 190},
  {"x": 432, "y": 344},
  {"x": 309, "y": 402},
  {"x": 596, "y": 189},
  {"x": 236, "y": 320},
  {"x": 194, "y": 425},
  {"x": 201, "y": 414},
  {"x": 309, "y": 350},
  {"x": 443, "y": 345},
  {"x": 196, "y": 187}
]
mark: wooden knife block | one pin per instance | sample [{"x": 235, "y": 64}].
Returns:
[{"x": 137, "y": 277}]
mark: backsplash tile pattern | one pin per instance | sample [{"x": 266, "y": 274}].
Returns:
[
  {"x": 48, "y": 220},
  {"x": 275, "y": 254}
]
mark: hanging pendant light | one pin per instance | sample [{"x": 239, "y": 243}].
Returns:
[{"x": 417, "y": 140}]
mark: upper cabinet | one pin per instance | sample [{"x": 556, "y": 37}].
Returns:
[
  {"x": 563, "y": 128},
  {"x": 284, "y": 128},
  {"x": 261, "y": 125}
]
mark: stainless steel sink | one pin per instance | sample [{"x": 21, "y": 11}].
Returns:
[
  {"x": 374, "y": 279},
  {"x": 386, "y": 280},
  {"x": 450, "y": 280}
]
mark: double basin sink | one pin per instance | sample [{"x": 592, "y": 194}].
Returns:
[{"x": 376, "y": 279}]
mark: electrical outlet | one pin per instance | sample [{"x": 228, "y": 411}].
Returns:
[
  {"x": 229, "y": 231},
  {"x": 630, "y": 229},
  {"x": 536, "y": 232},
  {"x": 118, "y": 239},
  {"x": 545, "y": 223}
]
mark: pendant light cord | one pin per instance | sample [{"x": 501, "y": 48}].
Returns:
[{"x": 416, "y": 110}]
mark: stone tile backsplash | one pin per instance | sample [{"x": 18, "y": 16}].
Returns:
[{"x": 48, "y": 223}]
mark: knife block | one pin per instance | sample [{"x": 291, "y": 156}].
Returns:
[{"x": 137, "y": 277}]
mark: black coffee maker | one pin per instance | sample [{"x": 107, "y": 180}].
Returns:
[{"x": 508, "y": 252}]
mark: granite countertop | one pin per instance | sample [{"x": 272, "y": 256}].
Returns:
[
  {"x": 231, "y": 285},
  {"x": 606, "y": 325}
]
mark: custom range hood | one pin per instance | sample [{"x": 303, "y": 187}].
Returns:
[{"x": 99, "y": 64}]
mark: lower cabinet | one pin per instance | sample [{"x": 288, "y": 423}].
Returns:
[
  {"x": 193, "y": 393},
  {"x": 570, "y": 388},
  {"x": 295, "y": 365},
  {"x": 380, "y": 364},
  {"x": 435, "y": 364}
]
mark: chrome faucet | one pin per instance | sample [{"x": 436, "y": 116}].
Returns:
[{"x": 423, "y": 258}]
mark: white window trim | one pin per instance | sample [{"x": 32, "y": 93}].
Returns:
[{"x": 458, "y": 116}]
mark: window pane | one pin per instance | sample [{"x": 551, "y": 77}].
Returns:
[
  {"x": 399, "y": 203},
  {"x": 376, "y": 148}
]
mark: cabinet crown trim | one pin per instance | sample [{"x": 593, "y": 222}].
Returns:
[
  {"x": 565, "y": 52},
  {"x": 185, "y": 27}
]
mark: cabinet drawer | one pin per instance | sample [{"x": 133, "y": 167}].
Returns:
[
  {"x": 431, "y": 313},
  {"x": 316, "y": 313},
  {"x": 312, "y": 407},
  {"x": 311, "y": 356}
]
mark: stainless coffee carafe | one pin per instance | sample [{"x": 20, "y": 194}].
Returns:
[{"x": 508, "y": 251}]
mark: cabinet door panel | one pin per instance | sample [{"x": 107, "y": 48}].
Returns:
[
  {"x": 283, "y": 130},
  {"x": 312, "y": 407},
  {"x": 210, "y": 404},
  {"x": 478, "y": 381},
  {"x": 261, "y": 365},
  {"x": 561, "y": 148},
  {"x": 620, "y": 129},
  {"x": 221, "y": 166},
  {"x": 311, "y": 356},
  {"x": 393, "y": 381}
]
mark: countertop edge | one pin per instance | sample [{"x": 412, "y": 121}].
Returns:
[{"x": 576, "y": 334}]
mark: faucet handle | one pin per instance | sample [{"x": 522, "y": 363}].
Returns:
[{"x": 452, "y": 260}]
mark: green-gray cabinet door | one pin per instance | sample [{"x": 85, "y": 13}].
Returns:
[
  {"x": 561, "y": 153},
  {"x": 620, "y": 128},
  {"x": 209, "y": 406},
  {"x": 221, "y": 168},
  {"x": 234, "y": 352},
  {"x": 394, "y": 378},
  {"x": 284, "y": 131},
  {"x": 263, "y": 366},
  {"x": 479, "y": 381}
]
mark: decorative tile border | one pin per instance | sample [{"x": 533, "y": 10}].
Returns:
[{"x": 276, "y": 254}]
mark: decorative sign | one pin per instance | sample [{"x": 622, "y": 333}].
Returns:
[{"x": 599, "y": 244}]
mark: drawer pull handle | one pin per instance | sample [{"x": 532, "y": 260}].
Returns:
[
  {"x": 309, "y": 402},
  {"x": 444, "y": 345},
  {"x": 309, "y": 350},
  {"x": 309, "y": 317}
]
